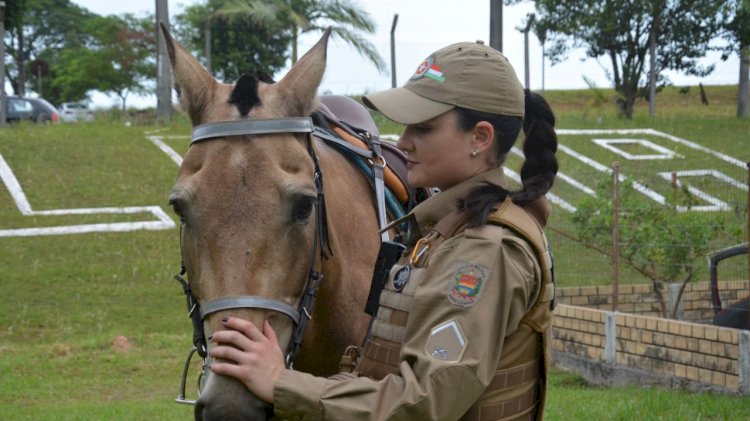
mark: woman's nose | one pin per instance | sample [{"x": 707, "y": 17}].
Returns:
[{"x": 404, "y": 141}]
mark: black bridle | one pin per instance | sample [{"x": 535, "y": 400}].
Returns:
[{"x": 199, "y": 311}]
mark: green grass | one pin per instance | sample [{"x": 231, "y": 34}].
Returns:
[
  {"x": 65, "y": 298},
  {"x": 570, "y": 398}
]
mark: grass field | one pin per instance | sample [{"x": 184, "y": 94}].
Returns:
[{"x": 67, "y": 297}]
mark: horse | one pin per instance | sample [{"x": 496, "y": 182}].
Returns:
[{"x": 253, "y": 222}]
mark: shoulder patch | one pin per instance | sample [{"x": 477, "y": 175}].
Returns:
[
  {"x": 446, "y": 342},
  {"x": 466, "y": 285}
]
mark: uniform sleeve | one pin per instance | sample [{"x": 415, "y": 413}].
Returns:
[{"x": 474, "y": 291}]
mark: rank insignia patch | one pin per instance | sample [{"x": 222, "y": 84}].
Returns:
[
  {"x": 447, "y": 342},
  {"x": 467, "y": 283}
]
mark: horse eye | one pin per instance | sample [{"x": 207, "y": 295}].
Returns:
[
  {"x": 177, "y": 207},
  {"x": 302, "y": 209}
]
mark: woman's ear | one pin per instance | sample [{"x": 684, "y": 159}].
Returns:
[{"x": 483, "y": 137}]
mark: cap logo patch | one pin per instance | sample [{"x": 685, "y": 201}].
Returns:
[
  {"x": 466, "y": 285},
  {"x": 429, "y": 69}
]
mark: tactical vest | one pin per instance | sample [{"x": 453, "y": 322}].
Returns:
[{"x": 517, "y": 390}]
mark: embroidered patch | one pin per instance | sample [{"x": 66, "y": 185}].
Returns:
[
  {"x": 466, "y": 285},
  {"x": 428, "y": 68},
  {"x": 446, "y": 342},
  {"x": 401, "y": 278}
]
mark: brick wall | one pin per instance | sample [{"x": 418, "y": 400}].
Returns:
[
  {"x": 640, "y": 298},
  {"x": 680, "y": 352}
]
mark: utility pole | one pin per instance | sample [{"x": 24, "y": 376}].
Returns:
[
  {"x": 393, "y": 51},
  {"x": 2, "y": 63},
  {"x": 163, "y": 75},
  {"x": 529, "y": 22},
  {"x": 496, "y": 24}
]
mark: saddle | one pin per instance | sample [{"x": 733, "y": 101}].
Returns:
[{"x": 351, "y": 122}]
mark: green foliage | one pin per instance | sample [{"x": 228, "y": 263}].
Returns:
[
  {"x": 619, "y": 31},
  {"x": 238, "y": 46},
  {"x": 345, "y": 19},
  {"x": 82, "y": 51},
  {"x": 663, "y": 242}
]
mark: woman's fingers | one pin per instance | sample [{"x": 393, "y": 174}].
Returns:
[
  {"x": 245, "y": 326},
  {"x": 229, "y": 353},
  {"x": 232, "y": 337},
  {"x": 269, "y": 332}
]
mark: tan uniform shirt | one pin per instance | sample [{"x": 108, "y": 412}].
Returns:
[{"x": 470, "y": 292}]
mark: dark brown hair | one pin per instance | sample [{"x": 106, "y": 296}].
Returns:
[{"x": 539, "y": 168}]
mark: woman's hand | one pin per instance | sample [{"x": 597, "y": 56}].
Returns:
[{"x": 249, "y": 355}]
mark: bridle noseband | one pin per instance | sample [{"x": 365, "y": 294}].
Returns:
[{"x": 199, "y": 311}]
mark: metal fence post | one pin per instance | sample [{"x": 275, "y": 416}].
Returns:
[
  {"x": 615, "y": 233},
  {"x": 743, "y": 361},
  {"x": 610, "y": 338}
]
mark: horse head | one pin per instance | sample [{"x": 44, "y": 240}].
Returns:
[{"x": 246, "y": 205}]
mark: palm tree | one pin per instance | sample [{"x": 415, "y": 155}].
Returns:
[{"x": 300, "y": 16}]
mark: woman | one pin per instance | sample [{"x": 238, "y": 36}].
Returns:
[{"x": 461, "y": 330}]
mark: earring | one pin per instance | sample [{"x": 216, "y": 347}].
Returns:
[{"x": 474, "y": 153}]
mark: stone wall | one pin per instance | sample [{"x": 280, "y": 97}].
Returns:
[
  {"x": 596, "y": 343},
  {"x": 695, "y": 304}
]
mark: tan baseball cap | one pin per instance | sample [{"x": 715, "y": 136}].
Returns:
[{"x": 467, "y": 74}]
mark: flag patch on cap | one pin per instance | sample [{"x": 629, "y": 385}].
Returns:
[
  {"x": 429, "y": 69},
  {"x": 466, "y": 284}
]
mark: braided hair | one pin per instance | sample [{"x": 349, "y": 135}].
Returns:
[{"x": 539, "y": 168}]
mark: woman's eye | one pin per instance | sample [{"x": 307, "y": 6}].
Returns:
[
  {"x": 422, "y": 129},
  {"x": 302, "y": 209}
]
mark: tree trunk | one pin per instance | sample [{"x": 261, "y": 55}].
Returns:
[
  {"x": 743, "y": 110},
  {"x": 626, "y": 101},
  {"x": 21, "y": 89}
]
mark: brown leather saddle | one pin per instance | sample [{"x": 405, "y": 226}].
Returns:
[{"x": 350, "y": 120}]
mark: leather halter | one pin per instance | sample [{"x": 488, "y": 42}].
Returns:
[{"x": 197, "y": 311}]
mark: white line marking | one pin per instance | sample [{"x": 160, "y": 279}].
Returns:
[
  {"x": 22, "y": 203},
  {"x": 608, "y": 144},
  {"x": 723, "y": 157},
  {"x": 157, "y": 140}
]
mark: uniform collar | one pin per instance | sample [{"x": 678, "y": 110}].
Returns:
[{"x": 432, "y": 210}]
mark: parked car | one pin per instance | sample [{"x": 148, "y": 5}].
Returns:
[
  {"x": 71, "y": 112},
  {"x": 34, "y": 109}
]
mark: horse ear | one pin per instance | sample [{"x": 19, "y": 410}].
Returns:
[
  {"x": 192, "y": 81},
  {"x": 297, "y": 90}
]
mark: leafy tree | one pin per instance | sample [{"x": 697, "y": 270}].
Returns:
[
  {"x": 238, "y": 46},
  {"x": 42, "y": 25},
  {"x": 345, "y": 19},
  {"x": 658, "y": 241},
  {"x": 119, "y": 59},
  {"x": 619, "y": 30}
]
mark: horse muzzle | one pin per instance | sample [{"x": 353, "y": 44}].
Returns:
[{"x": 226, "y": 399}]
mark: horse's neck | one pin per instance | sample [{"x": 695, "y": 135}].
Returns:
[{"x": 340, "y": 319}]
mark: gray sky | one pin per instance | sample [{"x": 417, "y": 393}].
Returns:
[{"x": 423, "y": 27}]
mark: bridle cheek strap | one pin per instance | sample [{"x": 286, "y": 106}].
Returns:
[{"x": 321, "y": 247}]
